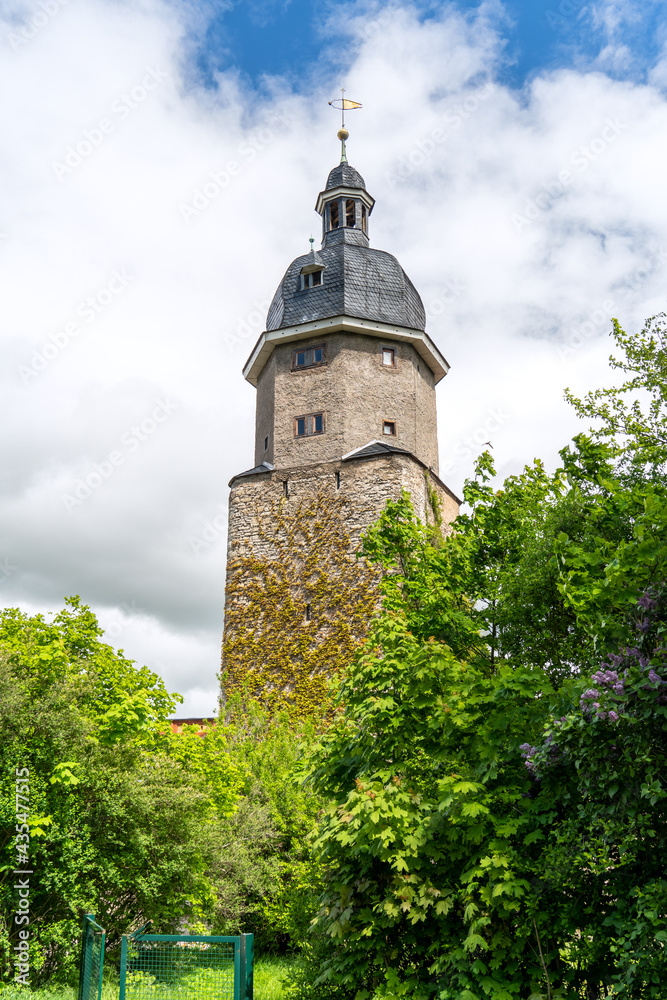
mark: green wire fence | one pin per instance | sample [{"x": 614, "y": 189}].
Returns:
[{"x": 186, "y": 967}]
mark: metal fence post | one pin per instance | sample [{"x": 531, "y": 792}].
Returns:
[
  {"x": 123, "y": 966},
  {"x": 84, "y": 963},
  {"x": 246, "y": 972}
]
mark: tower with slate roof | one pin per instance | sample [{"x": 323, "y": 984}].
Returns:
[{"x": 345, "y": 376}]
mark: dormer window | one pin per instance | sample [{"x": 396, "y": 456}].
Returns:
[
  {"x": 312, "y": 279},
  {"x": 349, "y": 212}
]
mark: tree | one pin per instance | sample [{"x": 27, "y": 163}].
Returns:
[
  {"x": 495, "y": 818},
  {"x": 114, "y": 828}
]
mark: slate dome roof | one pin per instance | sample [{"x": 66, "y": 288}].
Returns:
[
  {"x": 345, "y": 176},
  {"x": 357, "y": 281}
]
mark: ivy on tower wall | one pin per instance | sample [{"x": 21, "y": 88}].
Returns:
[{"x": 295, "y": 615}]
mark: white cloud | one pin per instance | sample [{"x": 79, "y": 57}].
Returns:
[{"x": 524, "y": 218}]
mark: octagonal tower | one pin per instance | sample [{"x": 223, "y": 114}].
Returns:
[{"x": 345, "y": 376}]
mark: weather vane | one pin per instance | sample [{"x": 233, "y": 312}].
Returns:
[{"x": 343, "y": 105}]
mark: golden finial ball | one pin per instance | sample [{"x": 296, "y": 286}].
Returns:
[{"x": 343, "y": 134}]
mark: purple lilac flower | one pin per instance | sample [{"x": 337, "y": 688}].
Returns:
[
  {"x": 607, "y": 677},
  {"x": 653, "y": 677},
  {"x": 590, "y": 694},
  {"x": 646, "y": 602},
  {"x": 527, "y": 752},
  {"x": 613, "y": 717}
]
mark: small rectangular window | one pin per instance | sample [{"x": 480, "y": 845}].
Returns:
[
  {"x": 311, "y": 423},
  {"x": 389, "y": 357},
  {"x": 309, "y": 357},
  {"x": 266, "y": 443},
  {"x": 363, "y": 218},
  {"x": 312, "y": 279},
  {"x": 389, "y": 427}
]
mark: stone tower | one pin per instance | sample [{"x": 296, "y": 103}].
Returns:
[{"x": 346, "y": 418}]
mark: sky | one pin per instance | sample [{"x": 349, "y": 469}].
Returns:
[{"x": 160, "y": 164}]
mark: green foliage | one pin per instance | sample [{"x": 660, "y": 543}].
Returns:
[
  {"x": 132, "y": 821},
  {"x": 495, "y": 821},
  {"x": 114, "y": 828},
  {"x": 261, "y": 867},
  {"x": 424, "y": 828},
  {"x": 633, "y": 416},
  {"x": 69, "y": 648},
  {"x": 603, "y": 574},
  {"x": 208, "y": 755},
  {"x": 490, "y": 589}
]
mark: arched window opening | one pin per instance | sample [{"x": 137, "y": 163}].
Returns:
[
  {"x": 333, "y": 215},
  {"x": 363, "y": 219},
  {"x": 349, "y": 212}
]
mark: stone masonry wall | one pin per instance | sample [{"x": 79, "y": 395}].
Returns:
[
  {"x": 365, "y": 486},
  {"x": 298, "y": 602},
  {"x": 356, "y": 393}
]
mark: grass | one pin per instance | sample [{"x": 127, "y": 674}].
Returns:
[
  {"x": 268, "y": 976},
  {"x": 269, "y": 973}
]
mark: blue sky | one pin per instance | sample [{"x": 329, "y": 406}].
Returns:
[{"x": 291, "y": 37}]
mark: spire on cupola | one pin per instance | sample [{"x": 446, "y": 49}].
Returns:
[
  {"x": 343, "y": 105},
  {"x": 345, "y": 205}
]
